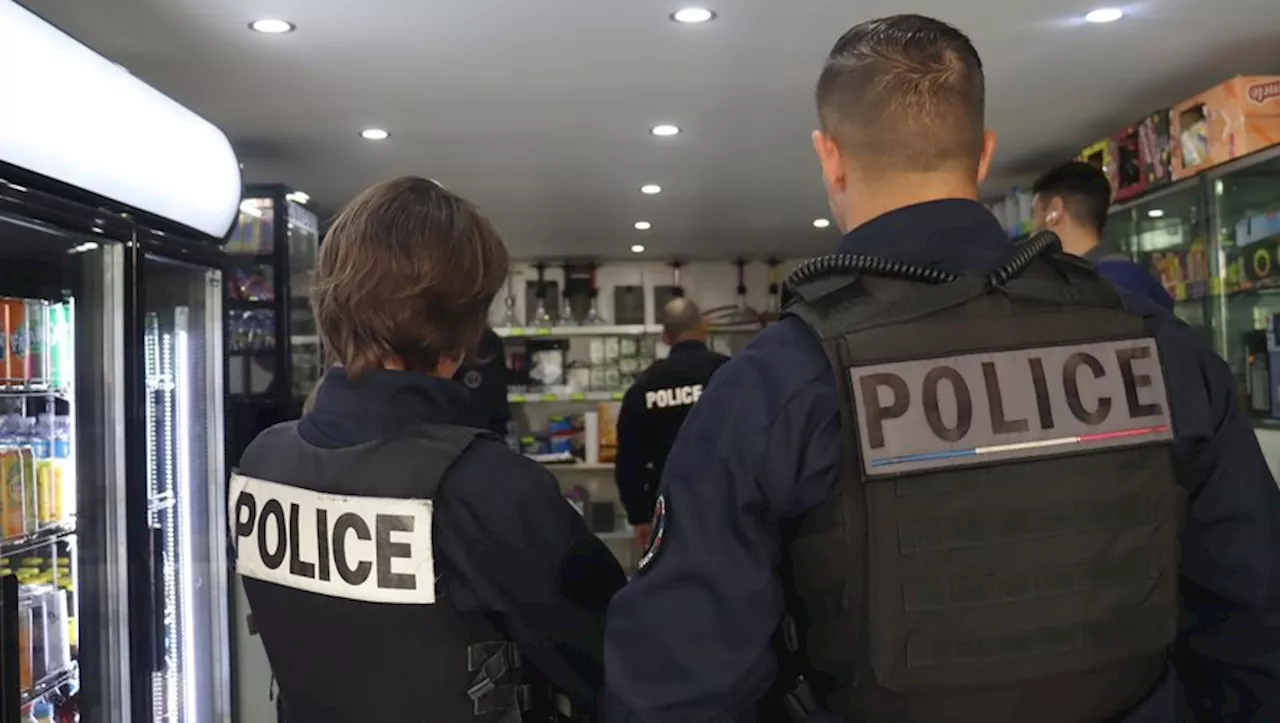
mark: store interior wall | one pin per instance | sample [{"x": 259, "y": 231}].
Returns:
[{"x": 707, "y": 283}]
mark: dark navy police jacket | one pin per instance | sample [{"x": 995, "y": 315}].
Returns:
[
  {"x": 689, "y": 638},
  {"x": 507, "y": 543},
  {"x": 1129, "y": 276},
  {"x": 647, "y": 426},
  {"x": 485, "y": 378}
]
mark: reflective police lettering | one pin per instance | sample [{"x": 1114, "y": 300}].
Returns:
[
  {"x": 674, "y": 397},
  {"x": 359, "y": 548},
  {"x": 978, "y": 408}
]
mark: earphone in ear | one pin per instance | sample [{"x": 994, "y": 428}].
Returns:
[{"x": 1052, "y": 217}]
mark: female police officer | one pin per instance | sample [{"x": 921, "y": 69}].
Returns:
[{"x": 399, "y": 567}]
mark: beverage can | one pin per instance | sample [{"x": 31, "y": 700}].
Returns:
[
  {"x": 13, "y": 507},
  {"x": 56, "y": 346},
  {"x": 37, "y": 341},
  {"x": 32, "y": 498},
  {"x": 15, "y": 313}
]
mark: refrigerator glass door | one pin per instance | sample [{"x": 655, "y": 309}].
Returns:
[
  {"x": 64, "y": 637},
  {"x": 182, "y": 340}
]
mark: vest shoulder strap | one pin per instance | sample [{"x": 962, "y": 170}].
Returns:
[{"x": 865, "y": 302}]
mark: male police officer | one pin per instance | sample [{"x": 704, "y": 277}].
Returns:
[
  {"x": 972, "y": 457},
  {"x": 1072, "y": 201},
  {"x": 400, "y": 568},
  {"x": 655, "y": 407}
]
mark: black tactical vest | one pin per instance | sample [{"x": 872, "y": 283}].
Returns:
[
  {"x": 340, "y": 639},
  {"x": 1002, "y": 542}
]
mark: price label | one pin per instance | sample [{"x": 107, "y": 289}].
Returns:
[
  {"x": 517, "y": 331},
  {"x": 578, "y": 396},
  {"x": 544, "y": 332},
  {"x": 549, "y": 397}
]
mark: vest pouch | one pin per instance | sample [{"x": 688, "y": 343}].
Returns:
[{"x": 999, "y": 576}]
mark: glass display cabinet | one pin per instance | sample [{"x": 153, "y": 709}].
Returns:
[{"x": 272, "y": 352}]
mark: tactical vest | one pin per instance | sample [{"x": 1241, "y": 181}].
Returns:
[
  {"x": 1002, "y": 543},
  {"x": 334, "y": 549}
]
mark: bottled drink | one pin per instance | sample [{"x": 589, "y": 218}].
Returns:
[
  {"x": 37, "y": 339},
  {"x": 46, "y": 482},
  {"x": 64, "y": 477}
]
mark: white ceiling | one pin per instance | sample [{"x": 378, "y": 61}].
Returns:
[{"x": 539, "y": 110}]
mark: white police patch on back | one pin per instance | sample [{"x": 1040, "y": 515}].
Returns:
[{"x": 359, "y": 548}]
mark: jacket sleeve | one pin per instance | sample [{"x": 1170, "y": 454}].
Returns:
[
  {"x": 1227, "y": 657},
  {"x": 689, "y": 639},
  {"x": 527, "y": 555},
  {"x": 633, "y": 468}
]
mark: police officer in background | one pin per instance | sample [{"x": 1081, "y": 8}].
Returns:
[
  {"x": 655, "y": 407},
  {"x": 972, "y": 459},
  {"x": 399, "y": 567},
  {"x": 1072, "y": 200},
  {"x": 485, "y": 377}
]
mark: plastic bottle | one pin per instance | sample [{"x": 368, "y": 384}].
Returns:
[
  {"x": 42, "y": 446},
  {"x": 57, "y": 347},
  {"x": 64, "y": 478},
  {"x": 42, "y": 712},
  {"x": 25, "y": 432},
  {"x": 13, "y": 500}
]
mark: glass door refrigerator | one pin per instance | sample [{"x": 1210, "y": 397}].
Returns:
[
  {"x": 64, "y": 629},
  {"x": 113, "y": 579},
  {"x": 176, "y": 463}
]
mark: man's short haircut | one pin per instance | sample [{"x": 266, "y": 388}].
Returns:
[
  {"x": 1083, "y": 189},
  {"x": 905, "y": 93},
  {"x": 679, "y": 317},
  {"x": 408, "y": 270}
]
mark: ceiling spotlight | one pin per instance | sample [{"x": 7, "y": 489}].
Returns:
[
  {"x": 643, "y": 225},
  {"x": 272, "y": 27},
  {"x": 692, "y": 16},
  {"x": 298, "y": 197},
  {"x": 1155, "y": 213},
  {"x": 665, "y": 130},
  {"x": 374, "y": 134},
  {"x": 1104, "y": 15},
  {"x": 651, "y": 189},
  {"x": 637, "y": 249},
  {"x": 821, "y": 223}
]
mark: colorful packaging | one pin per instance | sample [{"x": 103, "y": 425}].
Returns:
[
  {"x": 13, "y": 509},
  {"x": 37, "y": 340},
  {"x": 1144, "y": 156},
  {"x": 15, "y": 312},
  {"x": 1102, "y": 155},
  {"x": 1228, "y": 121}
]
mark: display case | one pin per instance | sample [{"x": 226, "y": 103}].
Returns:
[{"x": 273, "y": 353}]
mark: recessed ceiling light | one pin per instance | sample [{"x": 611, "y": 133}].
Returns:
[
  {"x": 692, "y": 15},
  {"x": 270, "y": 26},
  {"x": 1155, "y": 213},
  {"x": 1104, "y": 15},
  {"x": 374, "y": 134},
  {"x": 665, "y": 130},
  {"x": 821, "y": 223},
  {"x": 298, "y": 197},
  {"x": 651, "y": 189},
  {"x": 637, "y": 249},
  {"x": 643, "y": 225}
]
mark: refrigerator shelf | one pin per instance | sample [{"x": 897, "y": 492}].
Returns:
[
  {"x": 49, "y": 535},
  {"x": 64, "y": 394},
  {"x": 51, "y": 684}
]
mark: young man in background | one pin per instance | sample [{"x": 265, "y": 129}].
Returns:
[{"x": 1072, "y": 201}]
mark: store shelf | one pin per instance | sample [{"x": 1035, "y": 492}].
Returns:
[
  {"x": 51, "y": 684},
  {"x": 554, "y": 332},
  {"x": 534, "y": 397},
  {"x": 580, "y": 467}
]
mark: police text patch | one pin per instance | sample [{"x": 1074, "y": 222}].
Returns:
[
  {"x": 359, "y": 548},
  {"x": 978, "y": 408}
]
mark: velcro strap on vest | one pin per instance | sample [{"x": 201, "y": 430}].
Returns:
[
  {"x": 479, "y": 655},
  {"x": 504, "y": 698},
  {"x": 492, "y": 661}
]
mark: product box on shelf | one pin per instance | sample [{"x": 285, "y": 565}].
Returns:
[
  {"x": 1144, "y": 157},
  {"x": 1225, "y": 122},
  {"x": 1102, "y": 155}
]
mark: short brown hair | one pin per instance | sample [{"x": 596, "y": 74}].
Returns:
[
  {"x": 906, "y": 93},
  {"x": 408, "y": 270}
]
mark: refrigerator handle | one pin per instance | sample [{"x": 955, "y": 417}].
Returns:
[
  {"x": 10, "y": 675},
  {"x": 156, "y": 618}
]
